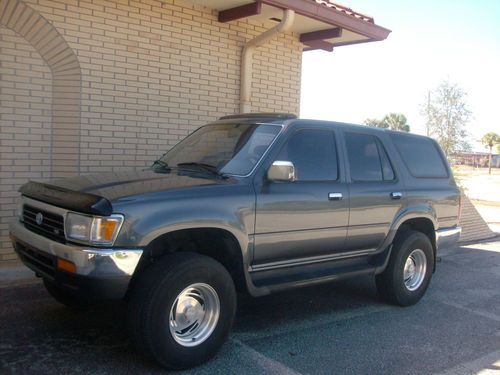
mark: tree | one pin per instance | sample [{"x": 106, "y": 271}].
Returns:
[
  {"x": 397, "y": 121},
  {"x": 489, "y": 140},
  {"x": 393, "y": 121},
  {"x": 447, "y": 115},
  {"x": 373, "y": 122}
]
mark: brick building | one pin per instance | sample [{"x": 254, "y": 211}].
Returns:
[{"x": 95, "y": 85}]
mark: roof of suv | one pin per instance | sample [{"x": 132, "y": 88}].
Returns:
[
  {"x": 287, "y": 119},
  {"x": 264, "y": 115},
  {"x": 290, "y": 118}
]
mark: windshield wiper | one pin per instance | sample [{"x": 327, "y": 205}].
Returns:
[{"x": 205, "y": 167}]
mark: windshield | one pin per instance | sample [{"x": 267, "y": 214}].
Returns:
[{"x": 230, "y": 148}]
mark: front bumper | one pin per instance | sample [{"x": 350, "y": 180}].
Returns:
[
  {"x": 100, "y": 273},
  {"x": 447, "y": 237}
]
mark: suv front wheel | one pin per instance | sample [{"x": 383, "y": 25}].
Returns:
[
  {"x": 181, "y": 309},
  {"x": 409, "y": 270}
]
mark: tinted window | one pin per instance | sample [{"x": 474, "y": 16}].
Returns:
[
  {"x": 420, "y": 155},
  {"x": 368, "y": 160},
  {"x": 313, "y": 153}
]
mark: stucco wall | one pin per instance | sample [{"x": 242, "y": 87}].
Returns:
[{"x": 146, "y": 73}]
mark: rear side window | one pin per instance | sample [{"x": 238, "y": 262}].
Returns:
[
  {"x": 421, "y": 156},
  {"x": 368, "y": 160}
]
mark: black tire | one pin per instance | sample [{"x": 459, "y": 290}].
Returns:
[
  {"x": 65, "y": 297},
  {"x": 153, "y": 297},
  {"x": 391, "y": 284}
]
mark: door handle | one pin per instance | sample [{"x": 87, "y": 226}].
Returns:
[
  {"x": 334, "y": 196},
  {"x": 396, "y": 195}
]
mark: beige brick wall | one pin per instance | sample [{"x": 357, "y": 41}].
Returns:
[
  {"x": 154, "y": 71},
  {"x": 151, "y": 72},
  {"x": 25, "y": 124}
]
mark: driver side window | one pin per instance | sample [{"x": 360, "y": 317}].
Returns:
[{"x": 313, "y": 153}]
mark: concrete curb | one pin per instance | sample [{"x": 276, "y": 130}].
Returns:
[
  {"x": 494, "y": 238},
  {"x": 16, "y": 274}
]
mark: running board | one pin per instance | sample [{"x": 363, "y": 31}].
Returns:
[{"x": 310, "y": 274}]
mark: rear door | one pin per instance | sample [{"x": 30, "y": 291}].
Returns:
[{"x": 376, "y": 191}]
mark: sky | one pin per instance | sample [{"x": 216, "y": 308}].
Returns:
[{"x": 431, "y": 41}]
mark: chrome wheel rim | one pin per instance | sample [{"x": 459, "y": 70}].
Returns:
[
  {"x": 415, "y": 269},
  {"x": 194, "y": 314}
]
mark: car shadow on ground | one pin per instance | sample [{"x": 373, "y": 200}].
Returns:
[{"x": 38, "y": 334}]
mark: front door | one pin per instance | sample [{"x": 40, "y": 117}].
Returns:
[{"x": 305, "y": 219}]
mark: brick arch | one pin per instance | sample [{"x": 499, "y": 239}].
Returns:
[{"x": 66, "y": 84}]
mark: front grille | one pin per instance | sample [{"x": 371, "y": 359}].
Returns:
[
  {"x": 51, "y": 225},
  {"x": 39, "y": 261}
]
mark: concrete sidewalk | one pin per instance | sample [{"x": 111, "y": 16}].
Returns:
[
  {"x": 490, "y": 212},
  {"x": 15, "y": 273}
]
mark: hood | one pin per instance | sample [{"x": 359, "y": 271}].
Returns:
[
  {"x": 94, "y": 193},
  {"x": 117, "y": 185}
]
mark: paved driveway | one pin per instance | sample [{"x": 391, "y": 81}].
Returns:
[{"x": 340, "y": 328}]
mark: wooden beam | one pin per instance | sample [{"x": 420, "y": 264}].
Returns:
[
  {"x": 335, "y": 32},
  {"x": 318, "y": 44},
  {"x": 243, "y": 11}
]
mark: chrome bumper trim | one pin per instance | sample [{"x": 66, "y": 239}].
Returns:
[
  {"x": 447, "y": 237},
  {"x": 89, "y": 261}
]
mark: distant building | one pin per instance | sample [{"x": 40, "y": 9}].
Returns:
[{"x": 474, "y": 159}]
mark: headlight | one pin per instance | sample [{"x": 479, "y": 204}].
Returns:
[{"x": 94, "y": 230}]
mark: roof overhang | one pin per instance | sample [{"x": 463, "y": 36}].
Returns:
[{"x": 321, "y": 24}]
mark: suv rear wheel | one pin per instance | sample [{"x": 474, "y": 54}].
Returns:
[
  {"x": 181, "y": 310},
  {"x": 409, "y": 270}
]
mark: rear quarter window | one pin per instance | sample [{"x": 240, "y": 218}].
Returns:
[{"x": 421, "y": 156}]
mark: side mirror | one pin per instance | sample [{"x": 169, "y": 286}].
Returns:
[{"x": 281, "y": 171}]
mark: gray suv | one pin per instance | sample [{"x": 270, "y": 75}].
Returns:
[{"x": 256, "y": 203}]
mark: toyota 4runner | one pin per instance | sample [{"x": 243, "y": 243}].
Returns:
[{"x": 257, "y": 203}]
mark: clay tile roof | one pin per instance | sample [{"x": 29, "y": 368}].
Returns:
[{"x": 346, "y": 10}]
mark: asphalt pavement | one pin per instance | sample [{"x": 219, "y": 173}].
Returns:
[{"x": 338, "y": 328}]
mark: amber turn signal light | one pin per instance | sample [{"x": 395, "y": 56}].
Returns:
[
  {"x": 66, "y": 265},
  {"x": 105, "y": 229}
]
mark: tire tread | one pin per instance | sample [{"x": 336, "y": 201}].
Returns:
[
  {"x": 149, "y": 286},
  {"x": 389, "y": 285}
]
